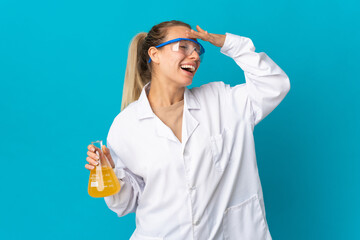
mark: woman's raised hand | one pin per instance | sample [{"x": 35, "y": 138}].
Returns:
[
  {"x": 93, "y": 158},
  {"x": 215, "y": 39}
]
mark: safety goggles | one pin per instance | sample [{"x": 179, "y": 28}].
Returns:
[{"x": 184, "y": 45}]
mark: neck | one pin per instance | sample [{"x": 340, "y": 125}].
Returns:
[{"x": 163, "y": 94}]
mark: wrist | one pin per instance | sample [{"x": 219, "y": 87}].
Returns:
[{"x": 219, "y": 40}]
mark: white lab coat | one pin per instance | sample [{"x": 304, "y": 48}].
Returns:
[{"x": 208, "y": 186}]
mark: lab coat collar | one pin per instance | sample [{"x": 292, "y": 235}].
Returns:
[{"x": 144, "y": 109}]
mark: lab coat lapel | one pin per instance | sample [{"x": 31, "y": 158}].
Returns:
[
  {"x": 164, "y": 131},
  {"x": 189, "y": 122},
  {"x": 145, "y": 111},
  {"x": 143, "y": 107}
]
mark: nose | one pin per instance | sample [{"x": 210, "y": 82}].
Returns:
[{"x": 194, "y": 55}]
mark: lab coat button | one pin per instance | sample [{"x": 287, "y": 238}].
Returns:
[
  {"x": 192, "y": 188},
  {"x": 196, "y": 222}
]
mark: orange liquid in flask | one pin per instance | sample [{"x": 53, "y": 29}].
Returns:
[{"x": 103, "y": 181}]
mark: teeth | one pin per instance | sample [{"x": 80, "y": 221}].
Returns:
[{"x": 192, "y": 68}]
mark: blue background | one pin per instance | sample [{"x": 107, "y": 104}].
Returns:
[{"x": 62, "y": 65}]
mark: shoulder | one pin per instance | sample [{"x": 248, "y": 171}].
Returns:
[
  {"x": 210, "y": 89},
  {"x": 127, "y": 115},
  {"x": 123, "y": 122}
]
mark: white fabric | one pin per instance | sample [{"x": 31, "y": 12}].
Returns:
[{"x": 208, "y": 186}]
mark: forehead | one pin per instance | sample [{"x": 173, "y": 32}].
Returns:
[{"x": 177, "y": 32}]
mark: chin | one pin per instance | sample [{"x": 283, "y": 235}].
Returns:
[
  {"x": 183, "y": 81},
  {"x": 186, "y": 82}
]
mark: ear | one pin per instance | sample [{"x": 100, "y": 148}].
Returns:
[{"x": 154, "y": 54}]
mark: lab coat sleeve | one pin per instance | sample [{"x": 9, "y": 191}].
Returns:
[
  {"x": 266, "y": 83},
  {"x": 125, "y": 201}
]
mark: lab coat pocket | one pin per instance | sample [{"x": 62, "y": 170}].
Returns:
[
  {"x": 245, "y": 221},
  {"x": 219, "y": 149}
]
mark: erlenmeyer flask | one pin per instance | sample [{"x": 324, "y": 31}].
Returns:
[{"x": 102, "y": 181}]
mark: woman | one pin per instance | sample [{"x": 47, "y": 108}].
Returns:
[{"x": 186, "y": 157}]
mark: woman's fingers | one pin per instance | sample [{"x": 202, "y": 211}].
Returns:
[
  {"x": 89, "y": 167},
  {"x": 215, "y": 39},
  {"x": 92, "y": 161},
  {"x": 107, "y": 154},
  {"x": 91, "y": 148},
  {"x": 106, "y": 151},
  {"x": 202, "y": 34},
  {"x": 200, "y": 29},
  {"x": 93, "y": 155}
]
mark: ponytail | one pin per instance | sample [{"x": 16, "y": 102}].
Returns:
[{"x": 134, "y": 82}]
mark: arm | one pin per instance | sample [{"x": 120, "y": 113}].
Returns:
[
  {"x": 266, "y": 83},
  {"x": 125, "y": 201}
]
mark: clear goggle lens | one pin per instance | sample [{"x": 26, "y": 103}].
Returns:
[{"x": 186, "y": 46}]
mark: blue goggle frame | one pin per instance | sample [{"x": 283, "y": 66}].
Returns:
[{"x": 202, "y": 49}]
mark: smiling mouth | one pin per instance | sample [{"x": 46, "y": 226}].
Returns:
[
  {"x": 188, "y": 68},
  {"x": 188, "y": 72}
]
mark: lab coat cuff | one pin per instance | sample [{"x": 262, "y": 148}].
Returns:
[
  {"x": 120, "y": 173},
  {"x": 235, "y": 45},
  {"x": 226, "y": 45}
]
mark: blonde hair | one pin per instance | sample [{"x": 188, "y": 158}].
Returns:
[{"x": 138, "y": 69}]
